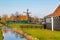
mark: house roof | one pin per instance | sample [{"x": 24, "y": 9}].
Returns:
[
  {"x": 11, "y": 18},
  {"x": 22, "y": 17},
  {"x": 55, "y": 13}
]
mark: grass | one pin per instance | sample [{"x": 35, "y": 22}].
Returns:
[
  {"x": 1, "y": 38},
  {"x": 43, "y": 34}
]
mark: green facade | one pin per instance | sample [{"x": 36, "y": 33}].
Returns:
[
  {"x": 9, "y": 21},
  {"x": 23, "y": 21},
  {"x": 20, "y": 21}
]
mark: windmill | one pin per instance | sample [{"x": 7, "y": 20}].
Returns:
[
  {"x": 16, "y": 16},
  {"x": 28, "y": 15}
]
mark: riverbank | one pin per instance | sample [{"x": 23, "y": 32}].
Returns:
[
  {"x": 43, "y": 34},
  {"x": 20, "y": 32},
  {"x": 26, "y": 35},
  {"x": 10, "y": 35},
  {"x": 23, "y": 34},
  {"x": 1, "y": 37}
]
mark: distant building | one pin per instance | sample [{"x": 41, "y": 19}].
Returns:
[
  {"x": 19, "y": 19},
  {"x": 53, "y": 20},
  {"x": 35, "y": 20},
  {"x": 11, "y": 18},
  {"x": 22, "y": 17}
]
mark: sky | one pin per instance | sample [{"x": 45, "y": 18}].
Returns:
[{"x": 37, "y": 8}]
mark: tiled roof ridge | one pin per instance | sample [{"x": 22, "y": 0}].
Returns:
[{"x": 56, "y": 12}]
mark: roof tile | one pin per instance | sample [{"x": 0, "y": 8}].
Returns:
[{"x": 56, "y": 12}]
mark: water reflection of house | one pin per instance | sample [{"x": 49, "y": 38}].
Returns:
[{"x": 53, "y": 20}]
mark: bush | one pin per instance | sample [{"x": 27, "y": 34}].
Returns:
[
  {"x": 31, "y": 26},
  {"x": 26, "y": 25}
]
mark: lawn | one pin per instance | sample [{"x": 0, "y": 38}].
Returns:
[{"x": 43, "y": 34}]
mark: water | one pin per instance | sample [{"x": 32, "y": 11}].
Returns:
[{"x": 12, "y": 36}]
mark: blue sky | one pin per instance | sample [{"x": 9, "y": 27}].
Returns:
[{"x": 38, "y": 8}]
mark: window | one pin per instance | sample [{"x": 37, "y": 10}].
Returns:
[
  {"x": 48, "y": 20},
  {"x": 59, "y": 17}
]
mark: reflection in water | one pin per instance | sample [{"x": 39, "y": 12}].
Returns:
[{"x": 12, "y": 36}]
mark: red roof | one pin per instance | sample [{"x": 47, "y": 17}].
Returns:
[
  {"x": 56, "y": 12},
  {"x": 11, "y": 18},
  {"x": 22, "y": 17}
]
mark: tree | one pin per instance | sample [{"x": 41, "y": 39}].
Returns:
[{"x": 4, "y": 19}]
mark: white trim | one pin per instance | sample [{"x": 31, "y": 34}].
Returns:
[{"x": 52, "y": 23}]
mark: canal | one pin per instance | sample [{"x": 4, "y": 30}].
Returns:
[{"x": 12, "y": 36}]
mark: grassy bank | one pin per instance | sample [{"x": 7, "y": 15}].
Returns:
[
  {"x": 43, "y": 34},
  {"x": 1, "y": 38},
  {"x": 36, "y": 31}
]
